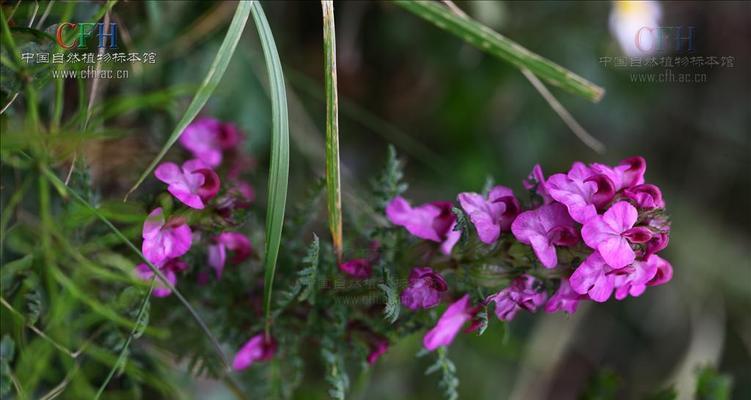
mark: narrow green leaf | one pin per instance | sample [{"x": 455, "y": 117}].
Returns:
[
  {"x": 216, "y": 71},
  {"x": 279, "y": 165},
  {"x": 333, "y": 181},
  {"x": 486, "y": 39}
]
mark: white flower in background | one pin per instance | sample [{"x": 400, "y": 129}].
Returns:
[{"x": 634, "y": 24}]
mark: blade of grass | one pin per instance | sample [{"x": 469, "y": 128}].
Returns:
[
  {"x": 279, "y": 165},
  {"x": 216, "y": 71},
  {"x": 486, "y": 39},
  {"x": 333, "y": 180}
]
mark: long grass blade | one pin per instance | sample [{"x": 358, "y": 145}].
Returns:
[
  {"x": 216, "y": 71},
  {"x": 333, "y": 180},
  {"x": 279, "y": 165},
  {"x": 486, "y": 39}
]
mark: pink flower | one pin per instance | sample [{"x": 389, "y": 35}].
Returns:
[
  {"x": 207, "y": 137},
  {"x": 522, "y": 294},
  {"x": 258, "y": 348},
  {"x": 597, "y": 279},
  {"x": 633, "y": 279},
  {"x": 565, "y": 298},
  {"x": 232, "y": 241},
  {"x": 377, "y": 350},
  {"x": 575, "y": 190},
  {"x": 162, "y": 241},
  {"x": 536, "y": 181},
  {"x": 645, "y": 196},
  {"x": 358, "y": 268},
  {"x": 629, "y": 173},
  {"x": 664, "y": 271},
  {"x": 612, "y": 233},
  {"x": 593, "y": 277},
  {"x": 431, "y": 221},
  {"x": 194, "y": 184},
  {"x": 450, "y": 323},
  {"x": 424, "y": 289},
  {"x": 493, "y": 215},
  {"x": 168, "y": 270},
  {"x": 544, "y": 228}
]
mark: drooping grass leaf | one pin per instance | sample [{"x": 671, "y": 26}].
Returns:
[
  {"x": 216, "y": 71},
  {"x": 486, "y": 39},
  {"x": 279, "y": 165},
  {"x": 333, "y": 181}
]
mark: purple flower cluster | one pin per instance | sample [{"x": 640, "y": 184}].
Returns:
[
  {"x": 196, "y": 184},
  {"x": 606, "y": 216}
]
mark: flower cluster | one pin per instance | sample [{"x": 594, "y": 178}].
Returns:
[
  {"x": 197, "y": 185},
  {"x": 604, "y": 221}
]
